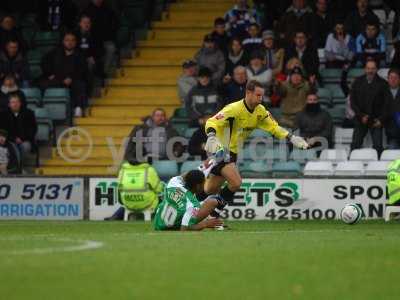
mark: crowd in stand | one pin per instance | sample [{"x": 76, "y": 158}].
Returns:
[
  {"x": 279, "y": 44},
  {"x": 87, "y": 50}
]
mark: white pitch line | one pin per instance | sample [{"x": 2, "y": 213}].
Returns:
[{"x": 83, "y": 246}]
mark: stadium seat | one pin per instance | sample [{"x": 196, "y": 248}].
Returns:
[
  {"x": 45, "y": 125},
  {"x": 354, "y": 73},
  {"x": 334, "y": 155},
  {"x": 389, "y": 155},
  {"x": 338, "y": 96},
  {"x": 377, "y": 168},
  {"x": 180, "y": 127},
  {"x": 166, "y": 168},
  {"x": 46, "y": 39},
  {"x": 189, "y": 132},
  {"x": 287, "y": 168},
  {"x": 303, "y": 156},
  {"x": 338, "y": 114},
  {"x": 364, "y": 155},
  {"x": 390, "y": 209},
  {"x": 349, "y": 168},
  {"x": 190, "y": 165},
  {"x": 321, "y": 56},
  {"x": 256, "y": 169},
  {"x": 275, "y": 112},
  {"x": 343, "y": 135},
  {"x": 57, "y": 101},
  {"x": 33, "y": 97},
  {"x": 381, "y": 14},
  {"x": 331, "y": 75},
  {"x": 318, "y": 168},
  {"x": 258, "y": 133}
]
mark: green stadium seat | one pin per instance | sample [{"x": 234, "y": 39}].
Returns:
[
  {"x": 331, "y": 75},
  {"x": 166, "y": 168},
  {"x": 303, "y": 156},
  {"x": 354, "y": 73},
  {"x": 258, "y": 133},
  {"x": 338, "y": 113},
  {"x": 57, "y": 101},
  {"x": 189, "y": 132},
  {"x": 46, "y": 39},
  {"x": 36, "y": 71},
  {"x": 190, "y": 165},
  {"x": 180, "y": 113},
  {"x": 257, "y": 169},
  {"x": 285, "y": 169},
  {"x": 275, "y": 112},
  {"x": 34, "y": 57},
  {"x": 324, "y": 93},
  {"x": 33, "y": 97},
  {"x": 137, "y": 11},
  {"x": 179, "y": 127},
  {"x": 45, "y": 125}
]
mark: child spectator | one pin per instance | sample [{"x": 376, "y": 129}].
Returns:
[
  {"x": 20, "y": 123},
  {"x": 220, "y": 36},
  {"x": 187, "y": 80},
  {"x": 13, "y": 62},
  {"x": 203, "y": 99},
  {"x": 239, "y": 18},
  {"x": 371, "y": 44},
  {"x": 253, "y": 40},
  {"x": 209, "y": 56},
  {"x": 338, "y": 48},
  {"x": 66, "y": 67},
  {"x": 273, "y": 55},
  {"x": 236, "y": 56},
  {"x": 8, "y": 88}
]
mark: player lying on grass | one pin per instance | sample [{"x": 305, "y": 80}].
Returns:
[
  {"x": 180, "y": 209},
  {"x": 227, "y": 130}
]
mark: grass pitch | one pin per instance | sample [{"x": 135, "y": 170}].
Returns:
[{"x": 253, "y": 260}]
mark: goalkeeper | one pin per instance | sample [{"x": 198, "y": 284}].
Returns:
[
  {"x": 180, "y": 209},
  {"x": 227, "y": 130}
]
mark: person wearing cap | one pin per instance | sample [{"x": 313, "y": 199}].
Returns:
[
  {"x": 273, "y": 55},
  {"x": 308, "y": 55},
  {"x": 294, "y": 95},
  {"x": 188, "y": 79},
  {"x": 203, "y": 100},
  {"x": 9, "y": 156},
  {"x": 257, "y": 70},
  {"x": 209, "y": 56}
]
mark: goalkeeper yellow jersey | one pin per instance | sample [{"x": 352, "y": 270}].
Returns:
[{"x": 235, "y": 122}]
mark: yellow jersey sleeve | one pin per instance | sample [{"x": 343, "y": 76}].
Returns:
[
  {"x": 221, "y": 120},
  {"x": 269, "y": 124}
]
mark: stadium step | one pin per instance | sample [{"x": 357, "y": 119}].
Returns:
[
  {"x": 153, "y": 62},
  {"x": 76, "y": 170},
  {"x": 182, "y": 16},
  {"x": 163, "y": 101},
  {"x": 172, "y": 24},
  {"x": 139, "y": 92},
  {"x": 132, "y": 112},
  {"x": 90, "y": 162},
  {"x": 177, "y": 34},
  {"x": 95, "y": 140},
  {"x": 177, "y": 53},
  {"x": 114, "y": 121},
  {"x": 108, "y": 131},
  {"x": 139, "y": 82},
  {"x": 169, "y": 44},
  {"x": 219, "y": 8},
  {"x": 150, "y": 73},
  {"x": 109, "y": 152}
]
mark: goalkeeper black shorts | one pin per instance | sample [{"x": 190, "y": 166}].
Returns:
[{"x": 218, "y": 168}]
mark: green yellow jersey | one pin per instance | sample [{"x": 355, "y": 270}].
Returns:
[
  {"x": 235, "y": 122},
  {"x": 178, "y": 208}
]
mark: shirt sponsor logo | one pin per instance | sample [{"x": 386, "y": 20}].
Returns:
[{"x": 219, "y": 116}]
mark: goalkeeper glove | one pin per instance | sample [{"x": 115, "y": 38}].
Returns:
[
  {"x": 298, "y": 142},
  {"x": 213, "y": 145}
]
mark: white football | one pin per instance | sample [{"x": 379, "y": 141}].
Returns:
[{"x": 351, "y": 214}]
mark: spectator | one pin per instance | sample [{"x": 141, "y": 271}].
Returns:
[
  {"x": 357, "y": 20},
  {"x": 220, "y": 36},
  {"x": 392, "y": 122},
  {"x": 298, "y": 17},
  {"x": 203, "y": 99},
  {"x": 293, "y": 63},
  {"x": 13, "y": 62},
  {"x": 235, "y": 89},
  {"x": 257, "y": 70},
  {"x": 323, "y": 22},
  {"x": 236, "y": 56},
  {"x": 188, "y": 79},
  {"x": 306, "y": 53},
  {"x": 273, "y": 55},
  {"x": 9, "y": 31},
  {"x": 294, "y": 95},
  {"x": 105, "y": 25},
  {"x": 239, "y": 18},
  {"x": 314, "y": 122},
  {"x": 253, "y": 41},
  {"x": 212, "y": 58},
  {"x": 57, "y": 14},
  {"x": 9, "y": 156},
  {"x": 91, "y": 48},
  {"x": 150, "y": 140},
  {"x": 65, "y": 67},
  {"x": 338, "y": 48},
  {"x": 20, "y": 123},
  {"x": 198, "y": 140},
  {"x": 371, "y": 44},
  {"x": 8, "y": 88},
  {"x": 369, "y": 96}
]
